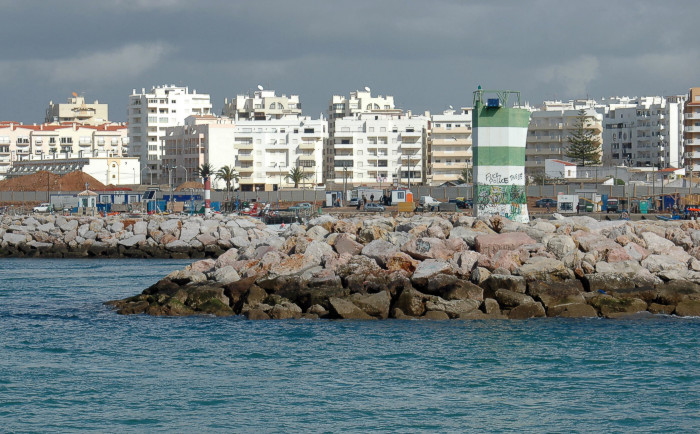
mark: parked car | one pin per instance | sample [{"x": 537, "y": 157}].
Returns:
[
  {"x": 428, "y": 201},
  {"x": 43, "y": 207},
  {"x": 353, "y": 201},
  {"x": 301, "y": 206},
  {"x": 546, "y": 202},
  {"x": 375, "y": 207}
]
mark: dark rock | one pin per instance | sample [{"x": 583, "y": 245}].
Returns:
[
  {"x": 285, "y": 310},
  {"x": 508, "y": 298},
  {"x": 346, "y": 310},
  {"x": 502, "y": 281},
  {"x": 490, "y": 307},
  {"x": 524, "y": 311},
  {"x": 573, "y": 310},
  {"x": 555, "y": 293},
  {"x": 376, "y": 305},
  {"x": 607, "y": 305},
  {"x": 688, "y": 308},
  {"x": 435, "y": 315},
  {"x": 657, "y": 308},
  {"x": 411, "y": 302},
  {"x": 256, "y": 314}
]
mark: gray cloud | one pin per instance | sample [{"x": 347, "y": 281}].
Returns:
[{"x": 427, "y": 54}]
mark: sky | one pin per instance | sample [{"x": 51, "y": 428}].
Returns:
[{"x": 428, "y": 54}]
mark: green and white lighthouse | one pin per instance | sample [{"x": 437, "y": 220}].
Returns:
[{"x": 499, "y": 154}]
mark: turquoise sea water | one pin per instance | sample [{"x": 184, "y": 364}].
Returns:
[{"x": 68, "y": 363}]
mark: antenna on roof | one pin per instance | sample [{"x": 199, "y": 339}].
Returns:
[
  {"x": 367, "y": 88},
  {"x": 260, "y": 87}
]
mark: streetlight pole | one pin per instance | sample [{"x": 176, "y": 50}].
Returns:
[{"x": 185, "y": 168}]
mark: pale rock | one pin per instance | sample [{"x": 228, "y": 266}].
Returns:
[
  {"x": 317, "y": 232},
  {"x": 429, "y": 269},
  {"x": 380, "y": 251},
  {"x": 133, "y": 240},
  {"x": 658, "y": 263},
  {"x": 656, "y": 244}
]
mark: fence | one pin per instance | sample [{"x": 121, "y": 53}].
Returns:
[{"x": 439, "y": 193}]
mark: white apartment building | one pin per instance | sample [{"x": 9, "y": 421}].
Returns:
[
  {"x": 644, "y": 132},
  {"x": 150, "y": 113},
  {"x": 449, "y": 146},
  {"x": 691, "y": 131},
  {"x": 262, "y": 105},
  {"x": 372, "y": 142},
  {"x": 376, "y": 148},
  {"x": 549, "y": 129},
  {"x": 22, "y": 142},
  {"x": 77, "y": 111},
  {"x": 262, "y": 152}
]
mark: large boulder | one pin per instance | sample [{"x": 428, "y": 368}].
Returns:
[
  {"x": 544, "y": 269},
  {"x": 380, "y": 251},
  {"x": 525, "y": 311},
  {"x": 376, "y": 305},
  {"x": 428, "y": 248},
  {"x": 411, "y": 302},
  {"x": 572, "y": 310},
  {"x": 509, "y": 299},
  {"x": 346, "y": 309},
  {"x": 688, "y": 308},
  {"x": 428, "y": 269},
  {"x": 552, "y": 294},
  {"x": 490, "y": 244},
  {"x": 453, "y": 308}
]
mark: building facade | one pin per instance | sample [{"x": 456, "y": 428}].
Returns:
[
  {"x": 549, "y": 129},
  {"x": 371, "y": 142},
  {"x": 644, "y": 132},
  {"x": 692, "y": 130},
  {"x": 75, "y": 110},
  {"x": 150, "y": 113},
  {"x": 262, "y": 152},
  {"x": 20, "y": 142},
  {"x": 448, "y": 149},
  {"x": 261, "y": 105},
  {"x": 108, "y": 169}
]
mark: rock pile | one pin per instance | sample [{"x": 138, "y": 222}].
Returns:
[
  {"x": 439, "y": 267},
  {"x": 119, "y": 237}
]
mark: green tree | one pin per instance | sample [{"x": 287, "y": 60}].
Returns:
[
  {"x": 205, "y": 170},
  {"x": 583, "y": 148},
  {"x": 228, "y": 175},
  {"x": 465, "y": 176},
  {"x": 296, "y": 175}
]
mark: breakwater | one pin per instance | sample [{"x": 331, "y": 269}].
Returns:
[
  {"x": 125, "y": 237},
  {"x": 436, "y": 267}
]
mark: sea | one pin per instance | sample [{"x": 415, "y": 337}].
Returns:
[{"x": 69, "y": 363}]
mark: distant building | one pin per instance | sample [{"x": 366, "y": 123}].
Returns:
[
  {"x": 692, "y": 129},
  {"x": 77, "y": 111},
  {"x": 20, "y": 142},
  {"x": 549, "y": 130},
  {"x": 108, "y": 169},
  {"x": 449, "y": 146},
  {"x": 262, "y": 105},
  {"x": 150, "y": 113},
  {"x": 371, "y": 142},
  {"x": 558, "y": 169},
  {"x": 643, "y": 132},
  {"x": 262, "y": 152}
]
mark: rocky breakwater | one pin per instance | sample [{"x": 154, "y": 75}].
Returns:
[
  {"x": 118, "y": 237},
  {"x": 442, "y": 267}
]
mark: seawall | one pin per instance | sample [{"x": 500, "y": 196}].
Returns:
[{"x": 432, "y": 266}]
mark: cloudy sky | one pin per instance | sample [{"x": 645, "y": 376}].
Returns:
[{"x": 427, "y": 54}]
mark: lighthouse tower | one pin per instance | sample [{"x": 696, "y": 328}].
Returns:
[{"x": 499, "y": 154}]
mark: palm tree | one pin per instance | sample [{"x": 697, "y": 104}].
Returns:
[
  {"x": 465, "y": 177},
  {"x": 205, "y": 171},
  {"x": 228, "y": 175},
  {"x": 296, "y": 175}
]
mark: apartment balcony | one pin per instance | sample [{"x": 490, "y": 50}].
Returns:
[
  {"x": 308, "y": 146},
  {"x": 692, "y": 142},
  {"x": 343, "y": 145},
  {"x": 555, "y": 153},
  {"x": 408, "y": 145},
  {"x": 543, "y": 139},
  {"x": 245, "y": 157},
  {"x": 243, "y": 169},
  {"x": 453, "y": 154},
  {"x": 444, "y": 177},
  {"x": 452, "y": 142},
  {"x": 692, "y": 116},
  {"x": 85, "y": 144},
  {"x": 456, "y": 130},
  {"x": 693, "y": 155},
  {"x": 692, "y": 129},
  {"x": 315, "y": 134},
  {"x": 455, "y": 166},
  {"x": 242, "y": 146},
  {"x": 416, "y": 133}
]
